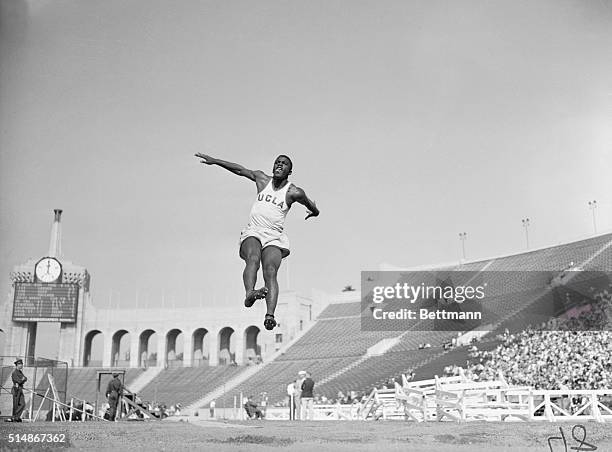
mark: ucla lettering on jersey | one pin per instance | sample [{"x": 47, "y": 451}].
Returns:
[
  {"x": 273, "y": 199},
  {"x": 270, "y": 208}
]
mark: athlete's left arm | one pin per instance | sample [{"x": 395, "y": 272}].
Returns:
[{"x": 296, "y": 194}]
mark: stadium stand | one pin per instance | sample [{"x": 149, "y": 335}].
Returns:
[
  {"x": 184, "y": 385},
  {"x": 367, "y": 374},
  {"x": 82, "y": 382},
  {"x": 338, "y": 310},
  {"x": 331, "y": 338},
  {"x": 275, "y": 377},
  {"x": 572, "y": 356},
  {"x": 335, "y": 349}
]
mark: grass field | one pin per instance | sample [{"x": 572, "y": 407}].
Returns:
[{"x": 195, "y": 434}]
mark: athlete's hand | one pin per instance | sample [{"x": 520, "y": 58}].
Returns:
[
  {"x": 206, "y": 159},
  {"x": 311, "y": 213}
]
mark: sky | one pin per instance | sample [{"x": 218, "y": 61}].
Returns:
[{"x": 408, "y": 122}]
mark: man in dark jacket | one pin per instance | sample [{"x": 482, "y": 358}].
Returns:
[
  {"x": 113, "y": 392},
  {"x": 307, "y": 398},
  {"x": 18, "y": 398}
]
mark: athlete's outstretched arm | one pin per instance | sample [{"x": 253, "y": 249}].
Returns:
[
  {"x": 298, "y": 195},
  {"x": 232, "y": 167}
]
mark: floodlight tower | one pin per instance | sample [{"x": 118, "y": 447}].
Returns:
[
  {"x": 463, "y": 237},
  {"x": 593, "y": 206},
  {"x": 526, "y": 223}
]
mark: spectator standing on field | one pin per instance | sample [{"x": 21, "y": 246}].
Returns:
[
  {"x": 307, "y": 398},
  {"x": 298, "y": 394}
]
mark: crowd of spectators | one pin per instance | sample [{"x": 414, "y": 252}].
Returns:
[
  {"x": 343, "y": 398},
  {"x": 348, "y": 398},
  {"x": 568, "y": 353}
]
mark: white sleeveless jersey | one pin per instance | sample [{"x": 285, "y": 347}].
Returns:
[{"x": 270, "y": 208}]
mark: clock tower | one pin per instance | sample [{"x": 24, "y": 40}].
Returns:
[{"x": 47, "y": 289}]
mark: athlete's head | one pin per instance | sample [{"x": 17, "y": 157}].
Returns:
[{"x": 282, "y": 167}]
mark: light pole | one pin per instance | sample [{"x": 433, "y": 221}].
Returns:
[
  {"x": 525, "y": 222},
  {"x": 593, "y": 206},
  {"x": 463, "y": 237}
]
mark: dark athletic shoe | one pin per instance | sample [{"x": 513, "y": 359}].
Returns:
[
  {"x": 255, "y": 295},
  {"x": 269, "y": 322}
]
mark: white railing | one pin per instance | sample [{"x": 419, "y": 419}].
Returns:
[{"x": 460, "y": 399}]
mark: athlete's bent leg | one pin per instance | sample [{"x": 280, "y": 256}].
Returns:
[
  {"x": 250, "y": 252},
  {"x": 271, "y": 257}
]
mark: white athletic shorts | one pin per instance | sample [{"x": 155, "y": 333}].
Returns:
[{"x": 267, "y": 237}]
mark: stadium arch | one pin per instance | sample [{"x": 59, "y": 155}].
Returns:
[
  {"x": 226, "y": 349},
  {"x": 174, "y": 348},
  {"x": 92, "y": 339},
  {"x": 252, "y": 349},
  {"x": 200, "y": 353},
  {"x": 145, "y": 340},
  {"x": 120, "y": 353}
]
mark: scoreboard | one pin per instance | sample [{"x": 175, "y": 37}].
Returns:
[{"x": 40, "y": 302}]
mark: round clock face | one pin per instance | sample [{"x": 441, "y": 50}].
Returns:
[{"x": 48, "y": 269}]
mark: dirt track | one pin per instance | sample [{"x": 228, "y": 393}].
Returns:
[{"x": 315, "y": 436}]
